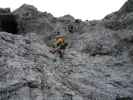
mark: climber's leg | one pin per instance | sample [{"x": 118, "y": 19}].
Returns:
[{"x": 60, "y": 52}]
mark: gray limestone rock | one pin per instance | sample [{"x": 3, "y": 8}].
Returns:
[{"x": 97, "y": 64}]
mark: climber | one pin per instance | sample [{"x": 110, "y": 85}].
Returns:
[{"x": 59, "y": 45}]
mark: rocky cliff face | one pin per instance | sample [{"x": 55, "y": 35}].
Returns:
[
  {"x": 122, "y": 18},
  {"x": 97, "y": 65}
]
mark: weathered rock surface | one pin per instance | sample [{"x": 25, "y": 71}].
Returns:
[
  {"x": 97, "y": 65},
  {"x": 122, "y": 18}
]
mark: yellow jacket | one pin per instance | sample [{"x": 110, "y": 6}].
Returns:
[{"x": 60, "y": 40}]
